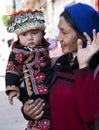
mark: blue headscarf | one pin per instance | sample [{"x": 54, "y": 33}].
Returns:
[{"x": 86, "y": 19}]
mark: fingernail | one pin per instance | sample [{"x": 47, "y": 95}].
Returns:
[
  {"x": 32, "y": 100},
  {"x": 43, "y": 104},
  {"x": 39, "y": 98},
  {"x": 42, "y": 100}
]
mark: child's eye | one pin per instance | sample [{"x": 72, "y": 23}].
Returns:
[
  {"x": 34, "y": 32},
  {"x": 24, "y": 34}
]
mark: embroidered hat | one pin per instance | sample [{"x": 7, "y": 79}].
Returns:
[
  {"x": 85, "y": 17},
  {"x": 23, "y": 21}
]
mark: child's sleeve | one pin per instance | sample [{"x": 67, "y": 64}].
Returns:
[{"x": 13, "y": 71}]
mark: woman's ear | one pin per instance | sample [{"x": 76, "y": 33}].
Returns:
[{"x": 82, "y": 37}]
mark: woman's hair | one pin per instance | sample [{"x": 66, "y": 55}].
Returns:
[{"x": 70, "y": 21}]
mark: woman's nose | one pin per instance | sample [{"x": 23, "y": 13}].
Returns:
[{"x": 59, "y": 39}]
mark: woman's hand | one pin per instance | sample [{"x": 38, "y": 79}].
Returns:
[
  {"x": 34, "y": 109},
  {"x": 85, "y": 54}
]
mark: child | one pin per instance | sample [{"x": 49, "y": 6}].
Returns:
[{"x": 29, "y": 64}]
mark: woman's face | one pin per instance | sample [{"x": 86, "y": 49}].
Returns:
[
  {"x": 31, "y": 38},
  {"x": 67, "y": 37}
]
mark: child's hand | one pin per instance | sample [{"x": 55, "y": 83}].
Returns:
[{"x": 13, "y": 94}]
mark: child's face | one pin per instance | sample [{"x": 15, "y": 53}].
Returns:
[{"x": 31, "y": 38}]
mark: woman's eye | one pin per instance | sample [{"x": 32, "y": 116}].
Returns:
[{"x": 64, "y": 33}]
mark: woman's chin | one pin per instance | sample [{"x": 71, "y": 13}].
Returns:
[{"x": 65, "y": 51}]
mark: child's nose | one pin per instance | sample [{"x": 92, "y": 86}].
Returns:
[{"x": 30, "y": 36}]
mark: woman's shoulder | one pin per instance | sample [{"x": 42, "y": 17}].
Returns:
[
  {"x": 61, "y": 58},
  {"x": 53, "y": 60}
]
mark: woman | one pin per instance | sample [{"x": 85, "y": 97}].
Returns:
[{"x": 74, "y": 94}]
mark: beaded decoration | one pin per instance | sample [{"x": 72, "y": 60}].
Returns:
[{"x": 23, "y": 21}]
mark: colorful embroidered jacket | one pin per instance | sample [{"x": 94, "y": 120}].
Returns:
[
  {"x": 28, "y": 71},
  {"x": 74, "y": 96}
]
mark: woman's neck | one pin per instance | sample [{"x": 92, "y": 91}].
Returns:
[{"x": 74, "y": 54}]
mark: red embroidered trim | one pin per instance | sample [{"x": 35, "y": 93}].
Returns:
[
  {"x": 12, "y": 87},
  {"x": 39, "y": 125}
]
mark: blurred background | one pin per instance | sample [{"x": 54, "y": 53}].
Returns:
[
  {"x": 52, "y": 10},
  {"x": 11, "y": 117}
]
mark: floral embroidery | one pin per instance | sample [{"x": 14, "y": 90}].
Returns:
[
  {"x": 19, "y": 57},
  {"x": 35, "y": 79}
]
